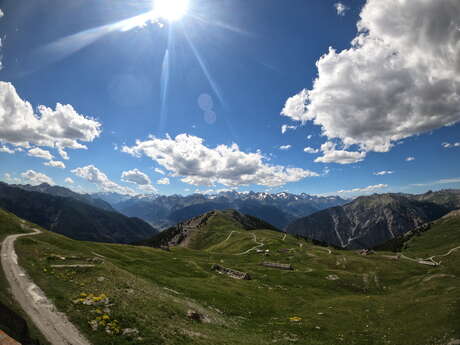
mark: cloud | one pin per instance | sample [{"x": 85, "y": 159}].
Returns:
[
  {"x": 332, "y": 155},
  {"x": 310, "y": 150},
  {"x": 6, "y": 149},
  {"x": 285, "y": 128},
  {"x": 385, "y": 172},
  {"x": 309, "y": 136},
  {"x": 94, "y": 175},
  {"x": 138, "y": 178},
  {"x": 285, "y": 147},
  {"x": 450, "y": 145},
  {"x": 59, "y": 128},
  {"x": 10, "y": 179},
  {"x": 68, "y": 180},
  {"x": 410, "y": 159},
  {"x": 367, "y": 189},
  {"x": 35, "y": 178},
  {"x": 400, "y": 78},
  {"x": 55, "y": 164},
  {"x": 163, "y": 181},
  {"x": 186, "y": 156},
  {"x": 341, "y": 8},
  {"x": 441, "y": 181},
  {"x": 40, "y": 153},
  {"x": 159, "y": 171}
]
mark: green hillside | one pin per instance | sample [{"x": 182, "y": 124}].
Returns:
[{"x": 331, "y": 296}]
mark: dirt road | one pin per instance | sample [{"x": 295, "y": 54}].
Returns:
[{"x": 55, "y": 326}]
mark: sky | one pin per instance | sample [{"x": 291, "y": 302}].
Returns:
[{"x": 175, "y": 96}]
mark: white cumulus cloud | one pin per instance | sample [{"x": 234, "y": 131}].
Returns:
[
  {"x": 400, "y": 78},
  {"x": 186, "y": 156},
  {"x": 285, "y": 128},
  {"x": 40, "y": 153},
  {"x": 6, "y": 149},
  {"x": 34, "y": 178},
  {"x": 333, "y": 155},
  {"x": 164, "y": 180},
  {"x": 59, "y": 128},
  {"x": 450, "y": 145},
  {"x": 385, "y": 172},
  {"x": 285, "y": 147},
  {"x": 94, "y": 175},
  {"x": 367, "y": 189},
  {"x": 159, "y": 171},
  {"x": 410, "y": 159},
  {"x": 55, "y": 164},
  {"x": 138, "y": 178},
  {"x": 69, "y": 180},
  {"x": 310, "y": 150},
  {"x": 341, "y": 8}
]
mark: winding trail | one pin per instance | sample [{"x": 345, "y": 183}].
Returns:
[
  {"x": 284, "y": 237},
  {"x": 230, "y": 235},
  {"x": 428, "y": 261},
  {"x": 259, "y": 244},
  {"x": 54, "y": 325}
]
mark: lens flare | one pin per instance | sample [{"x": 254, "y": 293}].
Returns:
[{"x": 171, "y": 10}]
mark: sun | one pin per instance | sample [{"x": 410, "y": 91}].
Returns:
[{"x": 171, "y": 10}]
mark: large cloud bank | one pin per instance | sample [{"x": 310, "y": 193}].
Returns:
[
  {"x": 186, "y": 156},
  {"x": 400, "y": 77}
]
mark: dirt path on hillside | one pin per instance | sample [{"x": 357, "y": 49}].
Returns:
[
  {"x": 259, "y": 244},
  {"x": 428, "y": 261},
  {"x": 55, "y": 326}
]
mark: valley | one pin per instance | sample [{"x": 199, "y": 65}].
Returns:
[{"x": 173, "y": 297}]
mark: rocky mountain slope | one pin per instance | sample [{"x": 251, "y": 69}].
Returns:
[
  {"x": 278, "y": 209},
  {"x": 187, "y": 233},
  {"x": 369, "y": 221},
  {"x": 72, "y": 217}
]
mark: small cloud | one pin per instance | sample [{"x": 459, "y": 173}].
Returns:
[
  {"x": 10, "y": 179},
  {"x": 159, "y": 171},
  {"x": 385, "y": 172},
  {"x": 94, "y": 175},
  {"x": 1, "y": 13},
  {"x": 68, "y": 180},
  {"x": 450, "y": 145},
  {"x": 309, "y": 136},
  {"x": 285, "y": 147},
  {"x": 341, "y": 8},
  {"x": 410, "y": 159},
  {"x": 33, "y": 177},
  {"x": 55, "y": 164},
  {"x": 285, "y": 128},
  {"x": 6, "y": 149},
  {"x": 367, "y": 189},
  {"x": 333, "y": 155},
  {"x": 441, "y": 181},
  {"x": 163, "y": 181},
  {"x": 310, "y": 150},
  {"x": 40, "y": 153},
  {"x": 138, "y": 178}
]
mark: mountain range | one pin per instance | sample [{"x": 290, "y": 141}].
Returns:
[
  {"x": 162, "y": 211},
  {"x": 369, "y": 221},
  {"x": 72, "y": 214}
]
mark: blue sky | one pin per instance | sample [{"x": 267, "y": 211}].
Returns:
[{"x": 203, "y": 95}]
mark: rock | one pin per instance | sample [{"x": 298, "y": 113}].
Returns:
[
  {"x": 100, "y": 279},
  {"x": 332, "y": 277},
  {"x": 196, "y": 316},
  {"x": 132, "y": 332}
]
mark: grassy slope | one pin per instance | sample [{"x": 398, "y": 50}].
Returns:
[
  {"x": 9, "y": 225},
  {"x": 375, "y": 301}
]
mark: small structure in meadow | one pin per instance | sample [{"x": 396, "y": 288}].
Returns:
[
  {"x": 287, "y": 267},
  {"x": 230, "y": 272}
]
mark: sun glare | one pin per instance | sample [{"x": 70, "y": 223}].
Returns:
[{"x": 171, "y": 10}]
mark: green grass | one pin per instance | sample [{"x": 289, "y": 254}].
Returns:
[{"x": 376, "y": 301}]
